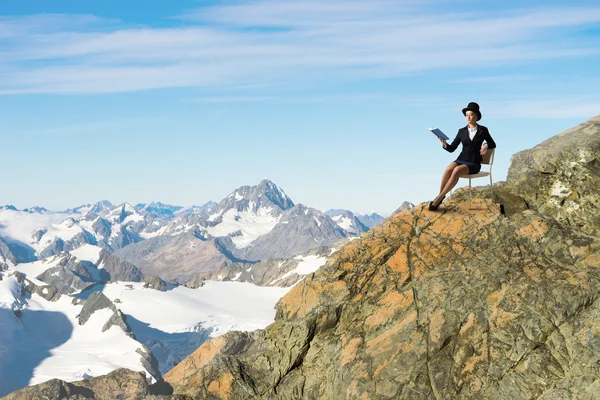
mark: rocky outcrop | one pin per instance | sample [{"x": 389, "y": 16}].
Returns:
[
  {"x": 459, "y": 304},
  {"x": 98, "y": 301},
  {"x": 404, "y": 206},
  {"x": 195, "y": 283},
  {"x": 6, "y": 256},
  {"x": 155, "y": 283},
  {"x": 119, "y": 270},
  {"x": 119, "y": 384},
  {"x": 70, "y": 274},
  {"x": 48, "y": 292},
  {"x": 561, "y": 177}
]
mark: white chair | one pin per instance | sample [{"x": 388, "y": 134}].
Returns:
[{"x": 487, "y": 159}]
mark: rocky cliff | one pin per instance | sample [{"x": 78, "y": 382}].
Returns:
[{"x": 480, "y": 303}]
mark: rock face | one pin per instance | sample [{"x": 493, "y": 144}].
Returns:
[
  {"x": 179, "y": 257},
  {"x": 119, "y": 270},
  {"x": 70, "y": 274},
  {"x": 6, "y": 256},
  {"x": 561, "y": 176},
  {"x": 459, "y": 304},
  {"x": 119, "y": 384},
  {"x": 98, "y": 301},
  {"x": 271, "y": 272}
]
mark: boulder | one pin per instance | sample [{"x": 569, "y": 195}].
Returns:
[{"x": 154, "y": 282}]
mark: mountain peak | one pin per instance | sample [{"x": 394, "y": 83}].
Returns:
[
  {"x": 123, "y": 212},
  {"x": 265, "y": 195}
]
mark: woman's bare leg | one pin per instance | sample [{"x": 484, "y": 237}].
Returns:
[
  {"x": 455, "y": 175},
  {"x": 447, "y": 174}
]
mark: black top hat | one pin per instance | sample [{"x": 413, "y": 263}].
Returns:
[{"x": 472, "y": 107}]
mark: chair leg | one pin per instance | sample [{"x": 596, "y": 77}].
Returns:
[
  {"x": 470, "y": 195},
  {"x": 492, "y": 187}
]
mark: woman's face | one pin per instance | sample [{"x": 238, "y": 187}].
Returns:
[{"x": 471, "y": 117}]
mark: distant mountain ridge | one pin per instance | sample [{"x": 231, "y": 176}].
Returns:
[{"x": 252, "y": 223}]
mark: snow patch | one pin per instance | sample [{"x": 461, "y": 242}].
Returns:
[
  {"x": 251, "y": 225},
  {"x": 307, "y": 265},
  {"x": 345, "y": 223},
  {"x": 87, "y": 252}
]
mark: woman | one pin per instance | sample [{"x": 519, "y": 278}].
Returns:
[{"x": 468, "y": 162}]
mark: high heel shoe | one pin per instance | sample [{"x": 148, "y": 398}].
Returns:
[{"x": 435, "y": 208}]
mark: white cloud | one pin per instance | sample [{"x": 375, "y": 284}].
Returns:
[
  {"x": 269, "y": 42},
  {"x": 546, "y": 108}
]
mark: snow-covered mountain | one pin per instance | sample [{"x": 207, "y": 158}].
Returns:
[
  {"x": 205, "y": 208},
  {"x": 252, "y": 223},
  {"x": 45, "y": 335},
  {"x": 404, "y": 206},
  {"x": 157, "y": 210},
  {"x": 347, "y": 221},
  {"x": 100, "y": 208},
  {"x": 370, "y": 220}
]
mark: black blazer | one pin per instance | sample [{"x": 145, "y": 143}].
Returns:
[{"x": 470, "y": 150}]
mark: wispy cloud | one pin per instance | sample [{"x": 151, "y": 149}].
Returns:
[
  {"x": 496, "y": 79},
  {"x": 275, "y": 42},
  {"x": 544, "y": 108}
]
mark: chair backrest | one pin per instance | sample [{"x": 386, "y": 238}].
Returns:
[{"x": 488, "y": 158}]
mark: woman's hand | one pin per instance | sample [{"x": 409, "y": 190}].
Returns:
[
  {"x": 484, "y": 149},
  {"x": 443, "y": 142}
]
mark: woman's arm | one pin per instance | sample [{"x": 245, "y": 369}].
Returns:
[
  {"x": 488, "y": 139},
  {"x": 451, "y": 147}
]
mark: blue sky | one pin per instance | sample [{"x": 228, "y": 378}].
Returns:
[{"x": 184, "y": 101}]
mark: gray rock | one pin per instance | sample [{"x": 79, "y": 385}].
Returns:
[
  {"x": 70, "y": 274},
  {"x": 149, "y": 361},
  {"x": 117, "y": 319},
  {"x": 121, "y": 384},
  {"x": 48, "y": 292},
  {"x": 404, "y": 206},
  {"x": 96, "y": 301},
  {"x": 154, "y": 282},
  {"x": 6, "y": 254},
  {"x": 118, "y": 269},
  {"x": 195, "y": 283},
  {"x": 561, "y": 176}
]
